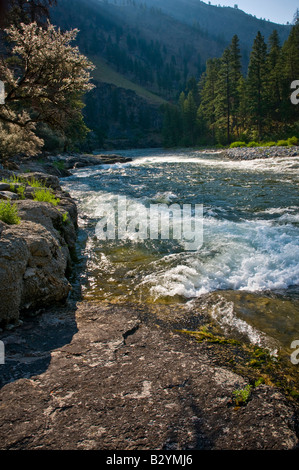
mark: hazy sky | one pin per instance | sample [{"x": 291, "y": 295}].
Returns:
[{"x": 278, "y": 11}]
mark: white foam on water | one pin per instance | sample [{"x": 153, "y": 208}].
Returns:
[
  {"x": 272, "y": 164},
  {"x": 251, "y": 255},
  {"x": 223, "y": 313},
  {"x": 247, "y": 255}
]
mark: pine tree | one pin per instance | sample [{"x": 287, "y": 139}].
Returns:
[
  {"x": 189, "y": 120},
  {"x": 242, "y": 113},
  {"x": 290, "y": 52},
  {"x": 208, "y": 93},
  {"x": 172, "y": 126},
  {"x": 236, "y": 76},
  {"x": 227, "y": 100},
  {"x": 274, "y": 79},
  {"x": 224, "y": 94},
  {"x": 257, "y": 85},
  {"x": 289, "y": 71}
]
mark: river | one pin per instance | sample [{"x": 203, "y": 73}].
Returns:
[{"x": 248, "y": 261}]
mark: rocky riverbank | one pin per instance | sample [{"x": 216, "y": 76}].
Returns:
[
  {"x": 118, "y": 377},
  {"x": 107, "y": 377},
  {"x": 60, "y": 165},
  {"x": 254, "y": 153},
  {"x": 36, "y": 253}
]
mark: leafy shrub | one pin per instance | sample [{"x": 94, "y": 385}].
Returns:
[
  {"x": 269, "y": 144},
  {"x": 65, "y": 217},
  {"x": 293, "y": 141},
  {"x": 237, "y": 144},
  {"x": 282, "y": 143},
  {"x": 253, "y": 144},
  {"x": 242, "y": 395},
  {"x": 21, "y": 191},
  {"x": 45, "y": 195},
  {"x": 9, "y": 213}
]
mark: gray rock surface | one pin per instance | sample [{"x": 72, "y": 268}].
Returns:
[
  {"x": 100, "y": 377},
  {"x": 14, "y": 256},
  {"x": 81, "y": 160},
  {"x": 8, "y": 195},
  {"x": 49, "y": 181},
  {"x": 35, "y": 255},
  {"x": 254, "y": 153}
]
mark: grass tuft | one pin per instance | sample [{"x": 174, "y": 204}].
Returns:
[{"x": 9, "y": 213}]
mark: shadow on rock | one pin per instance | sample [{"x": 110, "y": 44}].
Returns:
[{"x": 28, "y": 348}]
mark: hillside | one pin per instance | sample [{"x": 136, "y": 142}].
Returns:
[
  {"x": 220, "y": 19},
  {"x": 151, "y": 49}
]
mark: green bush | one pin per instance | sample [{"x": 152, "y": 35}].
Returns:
[
  {"x": 282, "y": 143},
  {"x": 237, "y": 144},
  {"x": 253, "y": 144},
  {"x": 293, "y": 141},
  {"x": 45, "y": 195},
  {"x": 269, "y": 144},
  {"x": 21, "y": 191},
  {"x": 65, "y": 217},
  {"x": 9, "y": 213},
  {"x": 242, "y": 395}
]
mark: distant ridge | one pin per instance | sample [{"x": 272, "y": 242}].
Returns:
[{"x": 149, "y": 50}]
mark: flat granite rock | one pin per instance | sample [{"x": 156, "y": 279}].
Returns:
[{"x": 98, "y": 377}]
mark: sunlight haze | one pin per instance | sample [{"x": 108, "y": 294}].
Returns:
[{"x": 276, "y": 11}]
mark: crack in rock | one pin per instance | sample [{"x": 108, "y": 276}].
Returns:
[
  {"x": 130, "y": 332},
  {"x": 182, "y": 385}
]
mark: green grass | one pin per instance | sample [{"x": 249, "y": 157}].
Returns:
[
  {"x": 242, "y": 396},
  {"x": 45, "y": 195},
  {"x": 21, "y": 191},
  {"x": 65, "y": 217},
  {"x": 13, "y": 180},
  {"x": 203, "y": 334},
  {"x": 9, "y": 213},
  {"x": 104, "y": 73},
  {"x": 42, "y": 192},
  {"x": 34, "y": 183}
]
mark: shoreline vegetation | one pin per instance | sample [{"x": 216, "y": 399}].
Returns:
[{"x": 230, "y": 104}]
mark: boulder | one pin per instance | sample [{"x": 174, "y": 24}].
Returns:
[
  {"x": 50, "y": 181},
  {"x": 14, "y": 256},
  {"x": 8, "y": 195},
  {"x": 35, "y": 257},
  {"x": 4, "y": 187},
  {"x": 44, "y": 280}
]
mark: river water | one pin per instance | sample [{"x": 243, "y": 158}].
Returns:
[{"x": 247, "y": 266}]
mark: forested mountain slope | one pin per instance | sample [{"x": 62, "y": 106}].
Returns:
[{"x": 150, "y": 47}]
